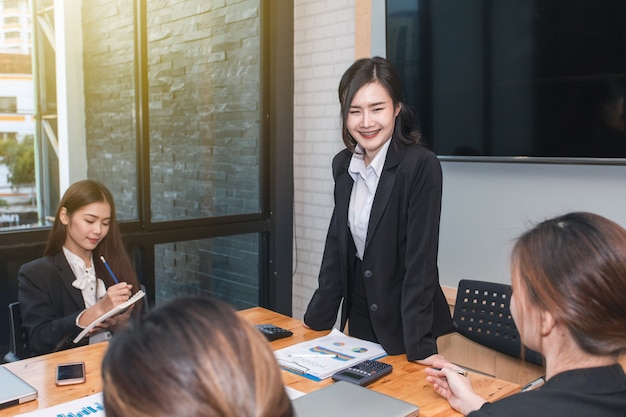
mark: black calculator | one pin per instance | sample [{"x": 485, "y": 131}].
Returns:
[
  {"x": 364, "y": 373},
  {"x": 273, "y": 332}
]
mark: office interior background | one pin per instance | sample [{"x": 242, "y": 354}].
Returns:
[{"x": 214, "y": 124}]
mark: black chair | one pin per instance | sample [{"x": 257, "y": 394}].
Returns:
[
  {"x": 18, "y": 339},
  {"x": 482, "y": 314}
]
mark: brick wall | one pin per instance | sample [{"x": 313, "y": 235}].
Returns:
[
  {"x": 108, "y": 60},
  {"x": 323, "y": 50},
  {"x": 204, "y": 126}
]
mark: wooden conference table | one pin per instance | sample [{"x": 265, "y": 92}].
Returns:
[{"x": 407, "y": 381}]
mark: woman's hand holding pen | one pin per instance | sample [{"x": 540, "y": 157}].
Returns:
[
  {"x": 455, "y": 386},
  {"x": 115, "y": 295}
]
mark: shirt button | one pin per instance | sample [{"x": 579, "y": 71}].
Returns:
[
  {"x": 374, "y": 307},
  {"x": 368, "y": 273}
]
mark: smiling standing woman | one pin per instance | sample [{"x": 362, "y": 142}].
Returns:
[
  {"x": 61, "y": 293},
  {"x": 380, "y": 257}
]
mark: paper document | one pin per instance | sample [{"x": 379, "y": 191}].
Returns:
[
  {"x": 320, "y": 358},
  {"x": 91, "y": 405},
  {"x": 293, "y": 393},
  {"x": 116, "y": 310}
]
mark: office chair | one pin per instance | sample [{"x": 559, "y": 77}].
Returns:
[
  {"x": 482, "y": 314},
  {"x": 18, "y": 339}
]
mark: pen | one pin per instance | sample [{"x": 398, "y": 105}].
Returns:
[
  {"x": 104, "y": 261},
  {"x": 458, "y": 371},
  {"x": 313, "y": 355},
  {"x": 533, "y": 385}
]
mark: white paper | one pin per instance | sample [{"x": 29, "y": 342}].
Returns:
[
  {"x": 293, "y": 393},
  {"x": 91, "y": 405},
  {"x": 348, "y": 350}
]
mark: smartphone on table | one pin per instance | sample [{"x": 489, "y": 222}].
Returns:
[{"x": 70, "y": 373}]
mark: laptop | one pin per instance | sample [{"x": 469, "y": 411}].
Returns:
[
  {"x": 14, "y": 390},
  {"x": 344, "y": 399}
]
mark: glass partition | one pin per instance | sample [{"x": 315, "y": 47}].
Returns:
[{"x": 204, "y": 66}]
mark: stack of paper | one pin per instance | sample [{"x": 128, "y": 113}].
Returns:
[{"x": 322, "y": 357}]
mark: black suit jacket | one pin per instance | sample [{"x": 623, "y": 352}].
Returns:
[
  {"x": 586, "y": 392},
  {"x": 407, "y": 307},
  {"x": 49, "y": 303}
]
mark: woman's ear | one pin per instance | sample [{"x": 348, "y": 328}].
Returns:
[
  {"x": 547, "y": 322},
  {"x": 63, "y": 217},
  {"x": 397, "y": 111}
]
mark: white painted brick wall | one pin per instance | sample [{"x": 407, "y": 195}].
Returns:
[{"x": 323, "y": 50}]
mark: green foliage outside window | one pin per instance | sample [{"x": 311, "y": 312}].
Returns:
[{"x": 19, "y": 157}]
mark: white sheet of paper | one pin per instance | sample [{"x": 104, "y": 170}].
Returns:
[{"x": 348, "y": 350}]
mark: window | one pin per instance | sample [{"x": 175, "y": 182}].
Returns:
[
  {"x": 180, "y": 127},
  {"x": 8, "y": 104}
]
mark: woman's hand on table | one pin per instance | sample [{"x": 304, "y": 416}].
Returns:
[{"x": 449, "y": 382}]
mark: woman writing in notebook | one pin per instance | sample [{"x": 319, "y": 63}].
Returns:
[
  {"x": 380, "y": 257},
  {"x": 568, "y": 278},
  {"x": 61, "y": 293}
]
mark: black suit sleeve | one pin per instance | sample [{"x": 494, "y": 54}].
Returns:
[
  {"x": 48, "y": 310},
  {"x": 321, "y": 313},
  {"x": 421, "y": 280}
]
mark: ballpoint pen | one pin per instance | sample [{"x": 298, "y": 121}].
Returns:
[
  {"x": 458, "y": 371},
  {"x": 104, "y": 261},
  {"x": 313, "y": 355},
  {"x": 533, "y": 385}
]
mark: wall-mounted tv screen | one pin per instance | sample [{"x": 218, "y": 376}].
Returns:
[{"x": 514, "y": 78}]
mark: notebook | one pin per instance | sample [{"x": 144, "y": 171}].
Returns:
[
  {"x": 13, "y": 389},
  {"x": 343, "y": 399}
]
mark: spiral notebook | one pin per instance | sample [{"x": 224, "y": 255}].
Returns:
[{"x": 14, "y": 390}]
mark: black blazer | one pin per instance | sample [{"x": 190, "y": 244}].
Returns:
[
  {"x": 408, "y": 309},
  {"x": 49, "y": 303},
  {"x": 581, "y": 392}
]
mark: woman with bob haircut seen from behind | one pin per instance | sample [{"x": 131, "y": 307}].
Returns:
[
  {"x": 569, "y": 303},
  {"x": 192, "y": 357}
]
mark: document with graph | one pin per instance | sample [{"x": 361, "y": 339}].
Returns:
[
  {"x": 320, "y": 358},
  {"x": 91, "y": 405}
]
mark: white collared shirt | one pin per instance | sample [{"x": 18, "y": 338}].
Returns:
[
  {"x": 363, "y": 192},
  {"x": 92, "y": 288}
]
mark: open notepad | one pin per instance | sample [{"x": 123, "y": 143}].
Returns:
[
  {"x": 116, "y": 310},
  {"x": 342, "y": 352}
]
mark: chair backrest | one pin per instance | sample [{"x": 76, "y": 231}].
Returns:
[
  {"x": 482, "y": 314},
  {"x": 18, "y": 339},
  {"x": 145, "y": 307}
]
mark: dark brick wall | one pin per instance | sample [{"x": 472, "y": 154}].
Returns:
[
  {"x": 205, "y": 140},
  {"x": 108, "y": 56}
]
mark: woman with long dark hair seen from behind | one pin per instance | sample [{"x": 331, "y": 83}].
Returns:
[
  {"x": 569, "y": 290},
  {"x": 69, "y": 287},
  {"x": 192, "y": 357}
]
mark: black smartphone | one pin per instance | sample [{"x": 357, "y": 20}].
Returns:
[{"x": 70, "y": 373}]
